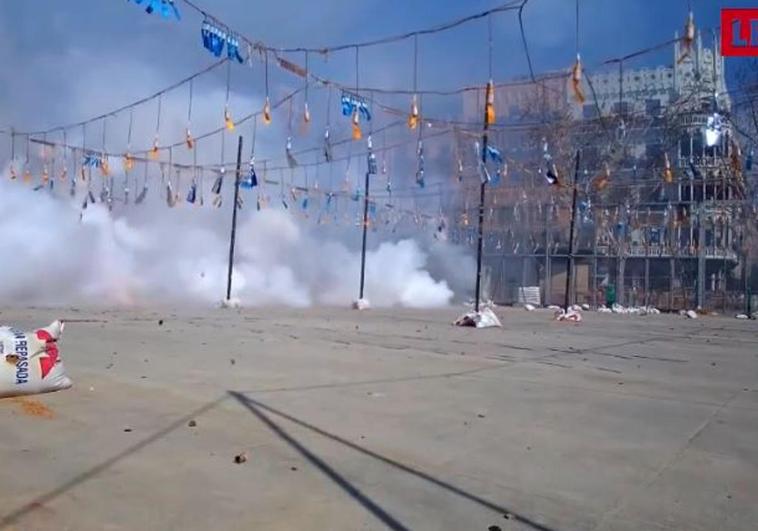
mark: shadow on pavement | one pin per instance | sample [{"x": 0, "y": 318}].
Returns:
[{"x": 257, "y": 409}]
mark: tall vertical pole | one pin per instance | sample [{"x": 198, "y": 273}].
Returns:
[
  {"x": 548, "y": 262},
  {"x": 570, "y": 256},
  {"x": 234, "y": 219},
  {"x": 365, "y": 229},
  {"x": 480, "y": 242},
  {"x": 482, "y": 191},
  {"x": 701, "y": 266}
]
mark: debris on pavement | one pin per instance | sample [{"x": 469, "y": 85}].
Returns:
[
  {"x": 485, "y": 318},
  {"x": 571, "y": 316}
]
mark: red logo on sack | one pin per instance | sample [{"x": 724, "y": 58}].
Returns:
[
  {"x": 47, "y": 363},
  {"x": 739, "y": 32}
]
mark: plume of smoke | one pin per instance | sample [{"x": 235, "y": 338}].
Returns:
[{"x": 54, "y": 258}]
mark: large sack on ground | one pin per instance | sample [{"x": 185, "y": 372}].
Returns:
[{"x": 30, "y": 362}]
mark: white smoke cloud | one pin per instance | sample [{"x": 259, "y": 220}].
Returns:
[{"x": 148, "y": 253}]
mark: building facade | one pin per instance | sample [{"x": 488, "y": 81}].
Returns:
[{"x": 660, "y": 208}]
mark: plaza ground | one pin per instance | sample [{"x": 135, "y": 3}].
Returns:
[{"x": 386, "y": 419}]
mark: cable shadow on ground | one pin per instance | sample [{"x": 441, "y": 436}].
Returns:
[
  {"x": 39, "y": 501},
  {"x": 257, "y": 409},
  {"x": 355, "y": 493}
]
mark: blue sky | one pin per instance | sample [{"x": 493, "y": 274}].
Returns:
[{"x": 64, "y": 61}]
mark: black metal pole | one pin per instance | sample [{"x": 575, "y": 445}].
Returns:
[
  {"x": 570, "y": 257},
  {"x": 482, "y": 190},
  {"x": 365, "y": 229},
  {"x": 234, "y": 219}
]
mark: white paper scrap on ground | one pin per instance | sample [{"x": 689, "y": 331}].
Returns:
[
  {"x": 485, "y": 318},
  {"x": 361, "y": 304},
  {"x": 30, "y": 362}
]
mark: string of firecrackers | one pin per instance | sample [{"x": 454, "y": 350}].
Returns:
[
  {"x": 354, "y": 105},
  {"x": 351, "y": 105},
  {"x": 93, "y": 159},
  {"x": 219, "y": 36}
]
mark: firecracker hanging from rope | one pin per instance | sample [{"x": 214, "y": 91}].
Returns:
[
  {"x": 192, "y": 193},
  {"x": 327, "y": 146},
  {"x": 372, "y": 167},
  {"x": 228, "y": 121},
  {"x": 551, "y": 171},
  {"x": 216, "y": 188},
  {"x": 576, "y": 81},
  {"x": 306, "y": 114},
  {"x": 188, "y": 140},
  {"x": 420, "y": 164},
  {"x": 357, "y": 134},
  {"x": 668, "y": 174},
  {"x": 489, "y": 104},
  {"x": 91, "y": 161},
  {"x": 352, "y": 103},
  {"x": 105, "y": 167},
  {"x": 233, "y": 48},
  {"x": 493, "y": 154},
  {"x": 251, "y": 179},
  {"x": 291, "y": 160},
  {"x": 128, "y": 163},
  {"x": 603, "y": 180},
  {"x": 267, "y": 111},
  {"x": 141, "y": 196},
  {"x": 166, "y": 8},
  {"x": 413, "y": 116},
  {"x": 484, "y": 174},
  {"x": 216, "y": 38},
  {"x": 155, "y": 150},
  {"x": 688, "y": 38},
  {"x": 170, "y": 198}
]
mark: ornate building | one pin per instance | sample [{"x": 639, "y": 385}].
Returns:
[{"x": 660, "y": 203}]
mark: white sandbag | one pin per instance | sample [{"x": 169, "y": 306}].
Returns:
[
  {"x": 742, "y": 316},
  {"x": 361, "y": 304},
  {"x": 529, "y": 307},
  {"x": 486, "y": 318},
  {"x": 30, "y": 363},
  {"x": 232, "y": 303},
  {"x": 691, "y": 314},
  {"x": 586, "y": 307}
]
